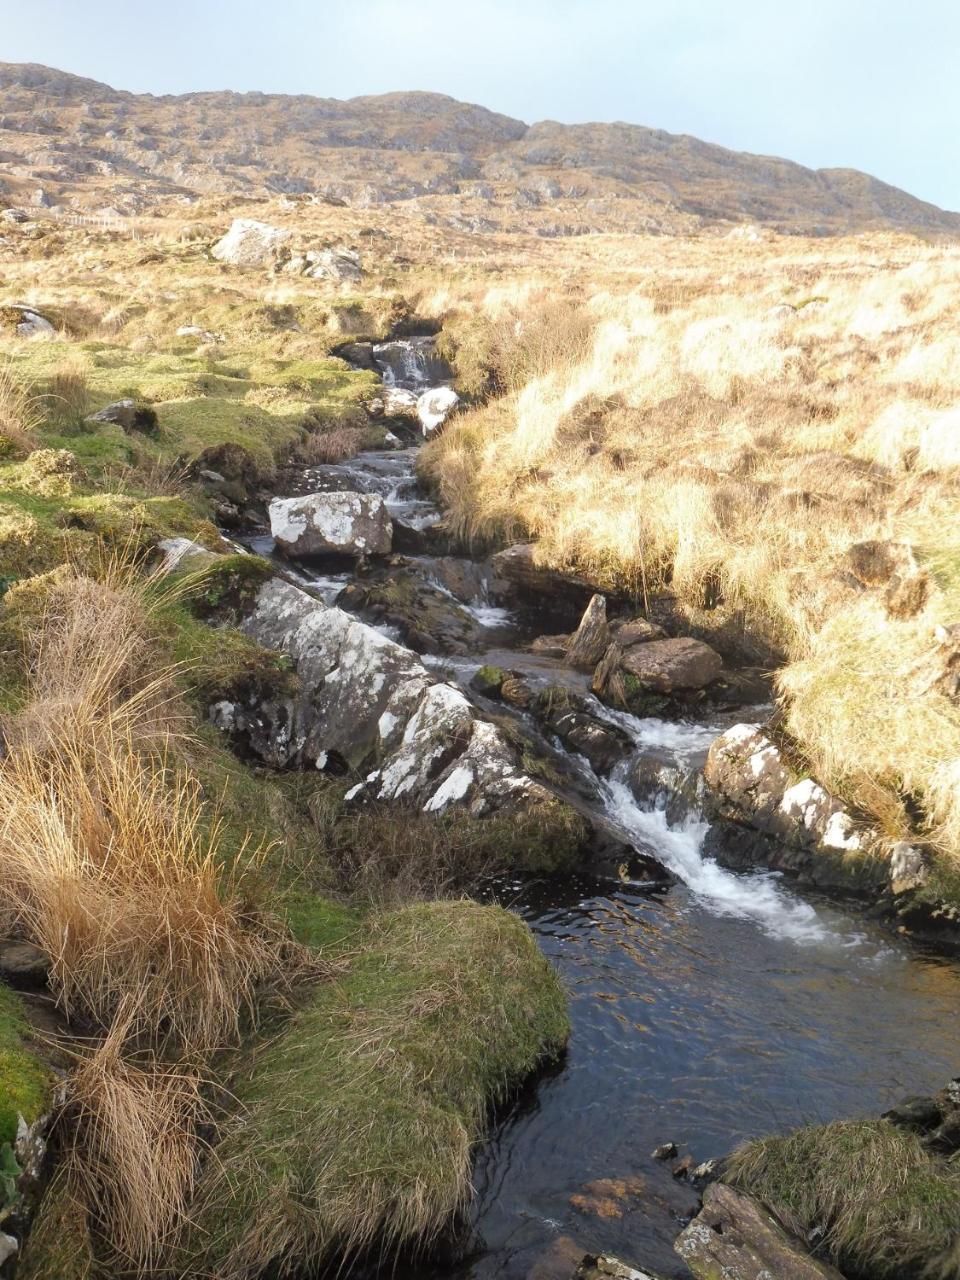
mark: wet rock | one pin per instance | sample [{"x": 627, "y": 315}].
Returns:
[
  {"x": 435, "y": 406},
  {"x": 519, "y": 567},
  {"x": 516, "y": 691},
  {"x": 399, "y": 403},
  {"x": 919, "y": 1114},
  {"x": 668, "y": 665},
  {"x": 318, "y": 524},
  {"x": 428, "y": 619},
  {"x": 488, "y": 681},
  {"x": 249, "y": 243},
  {"x": 812, "y": 833},
  {"x": 359, "y": 354},
  {"x": 608, "y": 1197},
  {"x": 735, "y": 1238},
  {"x": 551, "y": 646},
  {"x": 129, "y": 415},
  {"x": 666, "y": 1151},
  {"x": 605, "y": 1267},
  {"x": 411, "y": 362},
  {"x": 681, "y": 1171},
  {"x": 559, "y": 1261},
  {"x": 564, "y": 713},
  {"x": 589, "y": 642},
  {"x": 662, "y": 781}
]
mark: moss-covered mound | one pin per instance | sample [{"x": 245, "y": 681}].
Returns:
[
  {"x": 881, "y": 1205},
  {"x": 24, "y": 1082},
  {"x": 356, "y": 1125}
]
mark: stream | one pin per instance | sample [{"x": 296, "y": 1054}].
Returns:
[{"x": 721, "y": 1007}]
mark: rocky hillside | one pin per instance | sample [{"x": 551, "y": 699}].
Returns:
[{"x": 74, "y": 143}]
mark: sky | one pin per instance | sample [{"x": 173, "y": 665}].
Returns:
[{"x": 865, "y": 84}]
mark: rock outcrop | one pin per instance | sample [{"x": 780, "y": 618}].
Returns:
[
  {"x": 735, "y": 1238},
  {"x": 318, "y": 524}
]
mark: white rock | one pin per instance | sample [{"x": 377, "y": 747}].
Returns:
[
  {"x": 398, "y": 402},
  {"x": 435, "y": 406},
  {"x": 249, "y": 243},
  {"x": 332, "y": 523}
]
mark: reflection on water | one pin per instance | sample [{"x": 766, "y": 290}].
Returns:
[{"x": 703, "y": 1029}]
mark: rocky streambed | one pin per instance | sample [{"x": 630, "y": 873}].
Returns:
[{"x": 712, "y": 999}]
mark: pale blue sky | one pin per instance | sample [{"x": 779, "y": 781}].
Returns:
[{"x": 870, "y": 84}]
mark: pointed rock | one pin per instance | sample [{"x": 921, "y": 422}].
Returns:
[{"x": 589, "y": 642}]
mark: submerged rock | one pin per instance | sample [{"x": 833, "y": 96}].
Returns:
[
  {"x": 735, "y": 1238},
  {"x": 318, "y": 524}
]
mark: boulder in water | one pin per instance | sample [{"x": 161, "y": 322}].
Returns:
[
  {"x": 249, "y": 243},
  {"x": 589, "y": 642},
  {"x": 355, "y": 524},
  {"x": 665, "y": 666},
  {"x": 435, "y": 406}
]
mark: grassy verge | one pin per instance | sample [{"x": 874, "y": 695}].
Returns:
[
  {"x": 357, "y": 1123},
  {"x": 879, "y": 1204}
]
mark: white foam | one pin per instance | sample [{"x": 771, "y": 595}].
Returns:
[{"x": 758, "y": 897}]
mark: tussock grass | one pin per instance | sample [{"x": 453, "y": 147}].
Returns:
[
  {"x": 20, "y": 415},
  {"x": 363, "y": 1112},
  {"x": 881, "y": 1205},
  {"x": 130, "y": 1130},
  {"x": 730, "y": 426}
]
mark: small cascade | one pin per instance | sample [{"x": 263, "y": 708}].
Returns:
[{"x": 411, "y": 364}]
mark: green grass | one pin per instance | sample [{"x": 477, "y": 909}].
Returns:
[
  {"x": 886, "y": 1208},
  {"x": 24, "y": 1082},
  {"x": 356, "y": 1125}
]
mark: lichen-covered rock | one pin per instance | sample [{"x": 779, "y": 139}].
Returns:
[
  {"x": 317, "y": 524},
  {"x": 735, "y": 1238},
  {"x": 365, "y": 699},
  {"x": 589, "y": 642},
  {"x": 26, "y": 321},
  {"x": 249, "y": 243},
  {"x": 129, "y": 415},
  {"x": 435, "y": 406}
]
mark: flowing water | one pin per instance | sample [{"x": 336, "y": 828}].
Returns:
[{"x": 726, "y": 1006}]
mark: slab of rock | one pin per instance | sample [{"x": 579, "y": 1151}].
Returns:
[
  {"x": 564, "y": 714},
  {"x": 591, "y": 639},
  {"x": 518, "y": 566},
  {"x": 435, "y": 406},
  {"x": 735, "y": 1238},
  {"x": 249, "y": 243},
  {"x": 668, "y": 665},
  {"x": 318, "y": 524},
  {"x": 605, "y": 1267},
  {"x": 332, "y": 264},
  {"x": 363, "y": 698},
  {"x": 550, "y": 646}
]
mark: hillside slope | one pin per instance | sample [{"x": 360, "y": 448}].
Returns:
[{"x": 73, "y": 142}]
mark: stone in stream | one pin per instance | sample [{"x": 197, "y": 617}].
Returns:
[
  {"x": 550, "y": 646},
  {"x": 735, "y": 1238},
  {"x": 519, "y": 567},
  {"x": 605, "y": 1267},
  {"x": 676, "y": 664},
  {"x": 564, "y": 713},
  {"x": 589, "y": 642},
  {"x": 346, "y": 523},
  {"x": 435, "y": 406},
  {"x": 632, "y": 631}
]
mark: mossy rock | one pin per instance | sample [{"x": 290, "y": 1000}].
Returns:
[
  {"x": 488, "y": 681},
  {"x": 24, "y": 1080},
  {"x": 356, "y": 1125}
]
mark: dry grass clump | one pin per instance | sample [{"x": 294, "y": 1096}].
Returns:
[
  {"x": 736, "y": 422},
  {"x": 68, "y": 396},
  {"x": 882, "y": 1207},
  {"x": 20, "y": 415},
  {"x": 130, "y": 1130}
]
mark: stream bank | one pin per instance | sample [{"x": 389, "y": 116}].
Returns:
[{"x": 709, "y": 1004}]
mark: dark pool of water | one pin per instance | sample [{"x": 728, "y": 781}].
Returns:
[{"x": 700, "y": 1029}]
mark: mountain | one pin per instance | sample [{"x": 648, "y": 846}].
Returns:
[{"x": 82, "y": 145}]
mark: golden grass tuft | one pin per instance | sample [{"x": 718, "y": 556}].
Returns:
[{"x": 20, "y": 415}]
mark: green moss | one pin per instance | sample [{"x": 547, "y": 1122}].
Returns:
[
  {"x": 357, "y": 1123},
  {"x": 228, "y": 588},
  {"x": 885, "y": 1207},
  {"x": 24, "y": 1081}
]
